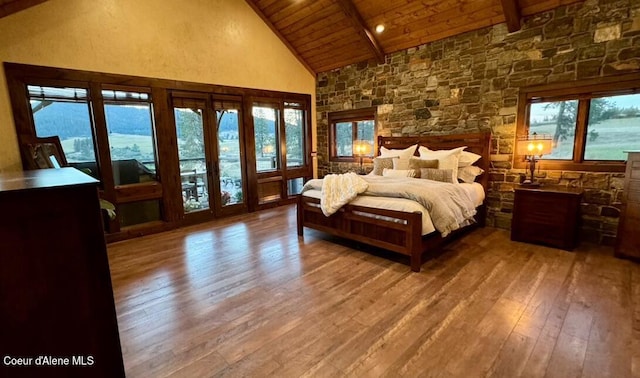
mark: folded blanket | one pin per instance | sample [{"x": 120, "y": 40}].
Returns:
[{"x": 338, "y": 190}]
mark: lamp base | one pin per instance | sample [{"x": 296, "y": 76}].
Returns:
[{"x": 530, "y": 183}]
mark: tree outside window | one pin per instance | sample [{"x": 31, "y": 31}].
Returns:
[{"x": 591, "y": 123}]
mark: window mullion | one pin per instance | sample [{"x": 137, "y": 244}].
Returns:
[
  {"x": 333, "y": 137},
  {"x": 354, "y": 131},
  {"x": 581, "y": 131}
]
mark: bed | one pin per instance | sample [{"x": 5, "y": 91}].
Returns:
[{"x": 401, "y": 231}]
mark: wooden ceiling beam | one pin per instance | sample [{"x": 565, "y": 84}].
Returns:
[
  {"x": 511, "y": 12},
  {"x": 356, "y": 19},
  {"x": 11, "y": 7},
  {"x": 281, "y": 37}
]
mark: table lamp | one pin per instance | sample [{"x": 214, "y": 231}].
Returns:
[
  {"x": 361, "y": 148},
  {"x": 532, "y": 146}
]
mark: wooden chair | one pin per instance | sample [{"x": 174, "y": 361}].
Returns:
[
  {"x": 39, "y": 153},
  {"x": 189, "y": 184}
]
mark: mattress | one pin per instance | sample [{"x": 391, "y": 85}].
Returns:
[{"x": 475, "y": 190}]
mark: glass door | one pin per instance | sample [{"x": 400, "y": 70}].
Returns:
[
  {"x": 268, "y": 164},
  {"x": 281, "y": 138},
  {"x": 229, "y": 162},
  {"x": 190, "y": 119},
  {"x": 210, "y": 156}
]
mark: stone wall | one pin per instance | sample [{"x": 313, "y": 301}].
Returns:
[{"x": 471, "y": 82}]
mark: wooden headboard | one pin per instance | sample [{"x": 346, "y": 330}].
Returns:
[{"x": 478, "y": 143}]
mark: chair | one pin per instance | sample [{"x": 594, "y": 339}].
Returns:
[
  {"x": 189, "y": 184},
  {"x": 47, "y": 152},
  {"x": 42, "y": 153}
]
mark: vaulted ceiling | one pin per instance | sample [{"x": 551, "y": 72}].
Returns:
[{"x": 328, "y": 34}]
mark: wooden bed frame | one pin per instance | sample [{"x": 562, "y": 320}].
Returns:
[{"x": 405, "y": 234}]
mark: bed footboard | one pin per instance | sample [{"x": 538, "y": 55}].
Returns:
[{"x": 396, "y": 231}]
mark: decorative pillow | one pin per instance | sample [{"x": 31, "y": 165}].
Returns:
[
  {"x": 469, "y": 174},
  {"x": 401, "y": 164},
  {"x": 447, "y": 159},
  {"x": 417, "y": 164},
  {"x": 442, "y": 175},
  {"x": 380, "y": 163},
  {"x": 398, "y": 172}
]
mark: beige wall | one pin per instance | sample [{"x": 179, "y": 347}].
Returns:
[{"x": 208, "y": 41}]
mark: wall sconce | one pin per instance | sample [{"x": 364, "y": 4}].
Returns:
[
  {"x": 531, "y": 146},
  {"x": 361, "y": 148}
]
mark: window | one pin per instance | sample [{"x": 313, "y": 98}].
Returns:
[
  {"x": 591, "y": 125},
  {"x": 65, "y": 112},
  {"x": 265, "y": 120},
  {"x": 347, "y": 126},
  {"x": 129, "y": 117},
  {"x": 294, "y": 134}
]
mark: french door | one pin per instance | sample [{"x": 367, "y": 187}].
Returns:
[
  {"x": 210, "y": 155},
  {"x": 281, "y": 144}
]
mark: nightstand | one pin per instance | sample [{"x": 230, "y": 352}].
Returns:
[{"x": 547, "y": 215}]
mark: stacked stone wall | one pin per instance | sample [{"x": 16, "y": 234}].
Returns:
[{"x": 471, "y": 82}]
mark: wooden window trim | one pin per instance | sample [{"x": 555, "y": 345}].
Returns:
[
  {"x": 582, "y": 91},
  {"x": 352, "y": 115},
  {"x": 18, "y": 76}
]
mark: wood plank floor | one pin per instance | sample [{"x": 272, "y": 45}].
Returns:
[{"x": 246, "y": 297}]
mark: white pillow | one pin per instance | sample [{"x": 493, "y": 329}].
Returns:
[
  {"x": 469, "y": 174},
  {"x": 398, "y": 172},
  {"x": 447, "y": 159},
  {"x": 403, "y": 156},
  {"x": 466, "y": 158}
]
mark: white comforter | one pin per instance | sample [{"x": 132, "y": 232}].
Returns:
[{"x": 449, "y": 205}]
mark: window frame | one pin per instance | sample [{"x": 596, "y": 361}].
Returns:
[
  {"x": 582, "y": 91},
  {"x": 296, "y": 105},
  {"x": 353, "y": 116},
  {"x": 88, "y": 102},
  {"x": 106, "y": 101},
  {"x": 167, "y": 187}
]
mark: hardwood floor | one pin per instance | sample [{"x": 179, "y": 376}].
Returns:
[{"x": 246, "y": 297}]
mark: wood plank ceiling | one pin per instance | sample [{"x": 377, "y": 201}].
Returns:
[
  {"x": 328, "y": 34},
  {"x": 8, "y": 7}
]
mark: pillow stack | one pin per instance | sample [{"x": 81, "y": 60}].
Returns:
[
  {"x": 452, "y": 165},
  {"x": 400, "y": 157},
  {"x": 457, "y": 160}
]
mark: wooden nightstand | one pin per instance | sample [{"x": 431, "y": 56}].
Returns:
[{"x": 547, "y": 215}]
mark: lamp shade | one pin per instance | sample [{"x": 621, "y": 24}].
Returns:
[
  {"x": 362, "y": 147},
  {"x": 534, "y": 145}
]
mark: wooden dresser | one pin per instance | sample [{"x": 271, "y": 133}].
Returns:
[
  {"x": 547, "y": 215},
  {"x": 628, "y": 238},
  {"x": 56, "y": 298}
]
